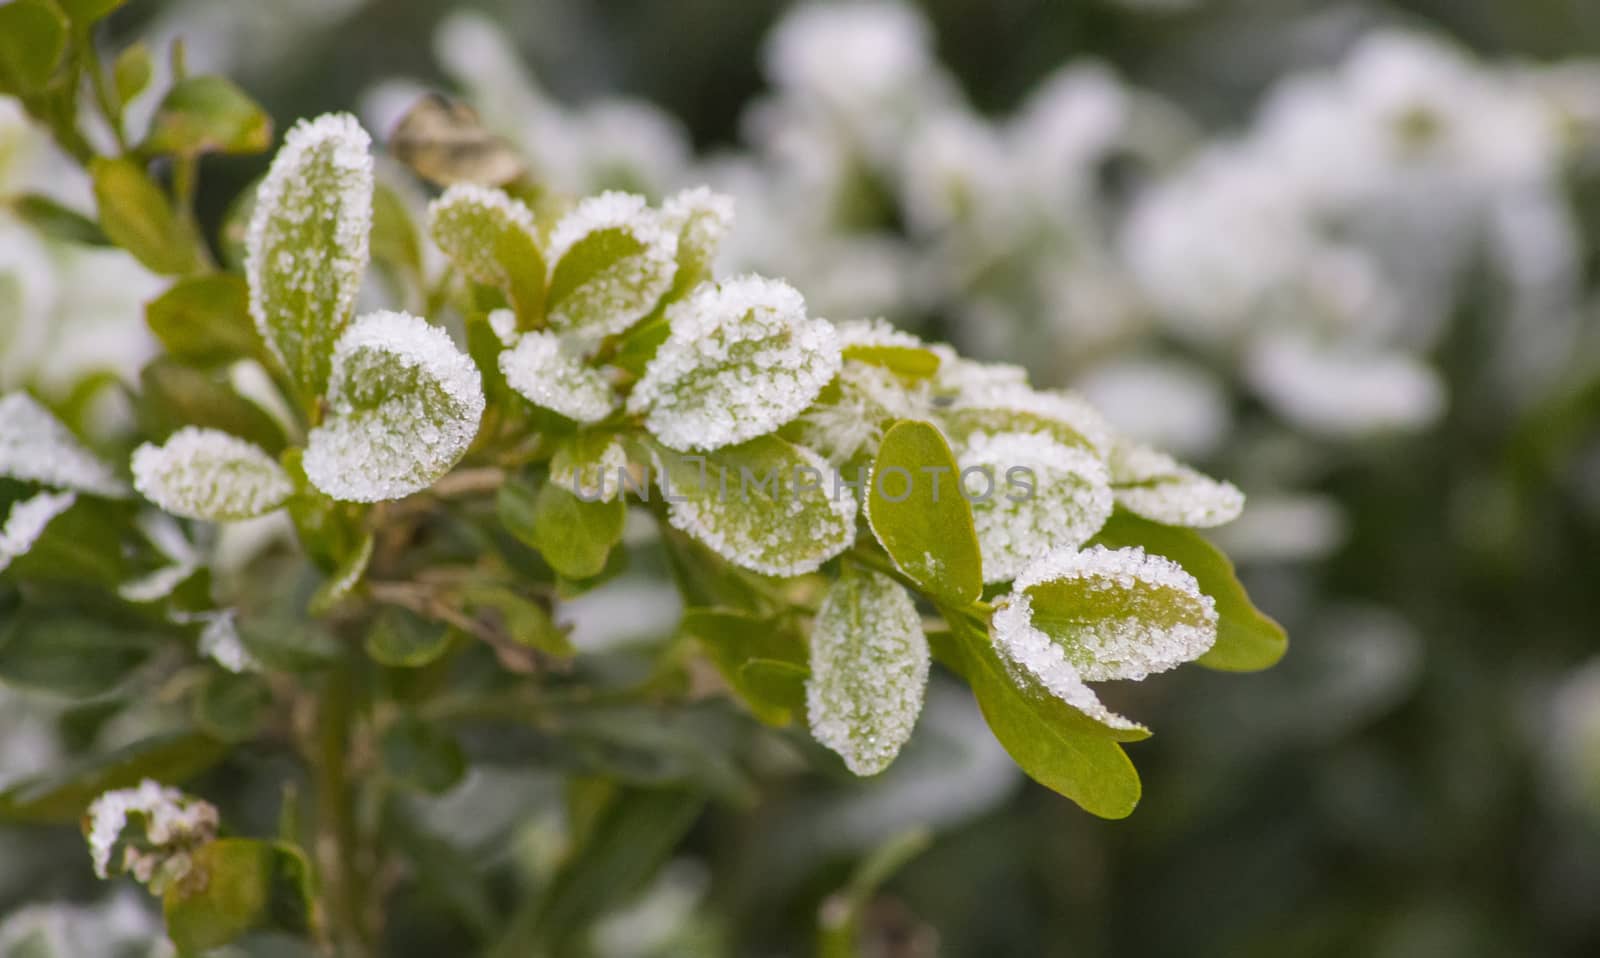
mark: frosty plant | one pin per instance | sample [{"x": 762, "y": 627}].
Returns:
[{"x": 576, "y": 393}]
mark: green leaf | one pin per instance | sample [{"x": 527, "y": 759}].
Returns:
[
  {"x": 612, "y": 260},
  {"x": 238, "y": 885},
  {"x": 58, "y": 222},
  {"x": 344, "y": 578},
  {"x": 421, "y": 755},
  {"x": 131, "y": 72},
  {"x": 574, "y": 536},
  {"x": 404, "y": 405},
  {"x": 524, "y": 621},
  {"x": 85, "y": 12},
  {"x": 869, "y": 670},
  {"x": 493, "y": 239},
  {"x": 174, "y": 396},
  {"x": 401, "y": 639},
  {"x": 67, "y": 539},
  {"x": 927, "y": 527},
  {"x": 33, "y": 35},
  {"x": 207, "y": 474},
  {"x": 762, "y": 659},
  {"x": 208, "y": 114},
  {"x": 631, "y": 839},
  {"x": 741, "y": 360},
  {"x": 765, "y": 505},
  {"x": 1247, "y": 640},
  {"x": 394, "y": 238},
  {"x": 62, "y": 795},
  {"x": 306, "y": 247},
  {"x": 1055, "y": 744},
  {"x": 70, "y": 654},
  {"x": 300, "y": 647},
  {"x": 232, "y": 708},
  {"x": 135, "y": 213},
  {"x": 205, "y": 320}
]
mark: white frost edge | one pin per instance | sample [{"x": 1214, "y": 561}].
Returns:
[
  {"x": 192, "y": 449},
  {"x": 27, "y": 520}
]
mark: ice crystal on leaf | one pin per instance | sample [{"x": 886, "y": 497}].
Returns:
[
  {"x": 545, "y": 375},
  {"x": 998, "y": 407},
  {"x": 1038, "y": 660},
  {"x": 306, "y": 248},
  {"x": 611, "y": 260},
  {"x": 1156, "y": 486},
  {"x": 741, "y": 359},
  {"x": 36, "y": 447},
  {"x": 27, "y": 520},
  {"x": 701, "y": 219},
  {"x": 148, "y": 831},
  {"x": 766, "y": 505},
  {"x": 492, "y": 238},
  {"x": 1118, "y": 613},
  {"x": 869, "y": 670},
  {"x": 404, "y": 405},
  {"x": 1033, "y": 495},
  {"x": 854, "y": 411},
  {"x": 208, "y": 474}
]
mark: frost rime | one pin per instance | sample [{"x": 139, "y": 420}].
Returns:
[
  {"x": 869, "y": 671},
  {"x": 405, "y": 405},
  {"x": 741, "y": 360},
  {"x": 36, "y": 447},
  {"x": 208, "y": 474},
  {"x": 537, "y": 368}
]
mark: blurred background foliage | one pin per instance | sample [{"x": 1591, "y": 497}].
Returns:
[{"x": 1420, "y": 776}]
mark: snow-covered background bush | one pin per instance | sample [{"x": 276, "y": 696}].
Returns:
[{"x": 1342, "y": 254}]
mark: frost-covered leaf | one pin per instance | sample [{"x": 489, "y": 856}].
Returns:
[
  {"x": 1247, "y": 640},
  {"x": 701, "y": 219},
  {"x": 26, "y": 521},
  {"x": 1030, "y": 494},
  {"x": 1154, "y": 485},
  {"x": 765, "y": 505},
  {"x": 611, "y": 259},
  {"x": 540, "y": 370},
  {"x": 1104, "y": 614},
  {"x": 207, "y": 474},
  {"x": 919, "y": 516},
  {"x": 742, "y": 359},
  {"x": 869, "y": 670},
  {"x": 878, "y": 343},
  {"x": 957, "y": 375},
  {"x": 853, "y": 411},
  {"x": 150, "y": 832},
  {"x": 306, "y": 247},
  {"x": 493, "y": 239},
  {"x": 1014, "y": 407},
  {"x": 1055, "y": 744},
  {"x": 36, "y": 447},
  {"x": 404, "y": 405},
  {"x": 592, "y": 465}
]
